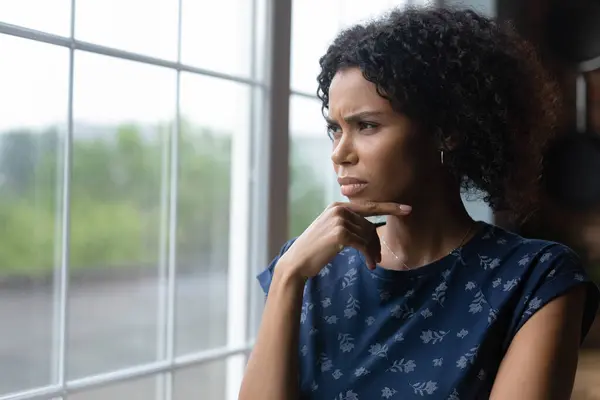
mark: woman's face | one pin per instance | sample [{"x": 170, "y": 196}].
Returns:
[{"x": 378, "y": 154}]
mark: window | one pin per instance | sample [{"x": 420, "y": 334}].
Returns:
[
  {"x": 122, "y": 113},
  {"x": 126, "y": 151},
  {"x": 49, "y": 16},
  {"x": 226, "y": 45},
  {"x": 140, "y": 26}
]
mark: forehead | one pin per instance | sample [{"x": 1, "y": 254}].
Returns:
[{"x": 350, "y": 92}]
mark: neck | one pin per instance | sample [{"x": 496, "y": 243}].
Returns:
[{"x": 432, "y": 230}]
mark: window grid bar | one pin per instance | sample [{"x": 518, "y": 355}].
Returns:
[
  {"x": 129, "y": 374},
  {"x": 254, "y": 133},
  {"x": 261, "y": 174},
  {"x": 63, "y": 297},
  {"x": 163, "y": 257},
  {"x": 75, "y": 44},
  {"x": 172, "y": 266},
  {"x": 171, "y": 300}
]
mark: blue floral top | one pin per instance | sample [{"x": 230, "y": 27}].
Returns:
[{"x": 439, "y": 331}]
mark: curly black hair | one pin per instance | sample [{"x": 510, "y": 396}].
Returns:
[{"x": 464, "y": 77}]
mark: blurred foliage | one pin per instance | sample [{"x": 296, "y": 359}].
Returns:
[{"x": 119, "y": 197}]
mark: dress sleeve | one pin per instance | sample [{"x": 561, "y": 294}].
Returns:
[
  {"x": 558, "y": 270},
  {"x": 265, "y": 277}
]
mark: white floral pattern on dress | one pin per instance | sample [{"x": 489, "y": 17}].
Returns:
[
  {"x": 346, "y": 342},
  {"x": 387, "y": 392},
  {"x": 352, "y": 307},
  {"x": 402, "y": 366},
  {"x": 349, "y": 278},
  {"x": 379, "y": 350},
  {"x": 439, "y": 294},
  {"x": 433, "y": 337},
  {"x": 424, "y": 388},
  {"x": 348, "y": 395}
]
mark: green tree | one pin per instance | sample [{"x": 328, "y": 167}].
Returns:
[
  {"x": 117, "y": 178},
  {"x": 307, "y": 197}
]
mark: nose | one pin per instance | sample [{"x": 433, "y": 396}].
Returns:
[{"x": 344, "y": 151}]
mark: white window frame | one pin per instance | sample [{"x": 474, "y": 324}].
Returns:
[{"x": 258, "y": 205}]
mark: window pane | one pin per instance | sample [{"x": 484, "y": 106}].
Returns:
[
  {"x": 216, "y": 35},
  {"x": 213, "y": 112},
  {"x": 139, "y": 389},
  {"x": 356, "y": 11},
  {"x": 49, "y": 16},
  {"x": 205, "y": 381},
  {"x": 140, "y": 26},
  {"x": 32, "y": 131},
  {"x": 312, "y": 184},
  {"x": 123, "y": 113},
  {"x": 312, "y": 33}
]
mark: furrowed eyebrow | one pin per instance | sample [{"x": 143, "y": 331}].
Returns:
[{"x": 356, "y": 117}]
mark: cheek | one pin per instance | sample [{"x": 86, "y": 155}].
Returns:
[
  {"x": 394, "y": 157},
  {"x": 397, "y": 167}
]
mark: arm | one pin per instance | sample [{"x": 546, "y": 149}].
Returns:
[
  {"x": 272, "y": 370},
  {"x": 541, "y": 361}
]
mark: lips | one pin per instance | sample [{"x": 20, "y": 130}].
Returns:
[{"x": 351, "y": 186}]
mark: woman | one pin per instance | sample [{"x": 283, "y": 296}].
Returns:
[{"x": 420, "y": 104}]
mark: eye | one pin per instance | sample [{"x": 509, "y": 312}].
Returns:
[
  {"x": 333, "y": 131},
  {"x": 367, "y": 125}
]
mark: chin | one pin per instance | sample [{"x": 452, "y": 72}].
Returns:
[{"x": 364, "y": 197}]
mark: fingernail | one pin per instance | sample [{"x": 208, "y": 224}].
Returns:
[{"x": 404, "y": 207}]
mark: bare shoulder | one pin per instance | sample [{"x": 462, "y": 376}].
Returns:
[{"x": 542, "y": 358}]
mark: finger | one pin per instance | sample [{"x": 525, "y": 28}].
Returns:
[
  {"x": 347, "y": 214},
  {"x": 355, "y": 227},
  {"x": 358, "y": 242},
  {"x": 374, "y": 247},
  {"x": 369, "y": 209},
  {"x": 360, "y": 226},
  {"x": 368, "y": 231}
]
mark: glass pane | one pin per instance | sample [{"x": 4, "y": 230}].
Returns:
[
  {"x": 123, "y": 112},
  {"x": 49, "y": 16},
  {"x": 205, "y": 381},
  {"x": 213, "y": 112},
  {"x": 216, "y": 35},
  {"x": 140, "y": 26},
  {"x": 31, "y": 135},
  {"x": 356, "y": 11},
  {"x": 312, "y": 183},
  {"x": 312, "y": 33},
  {"x": 139, "y": 389}
]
